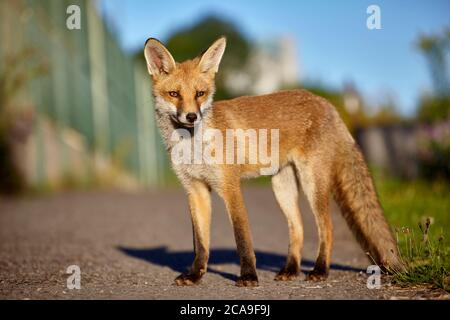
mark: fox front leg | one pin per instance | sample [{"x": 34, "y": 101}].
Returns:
[{"x": 200, "y": 208}]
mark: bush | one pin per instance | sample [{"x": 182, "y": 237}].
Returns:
[{"x": 434, "y": 150}]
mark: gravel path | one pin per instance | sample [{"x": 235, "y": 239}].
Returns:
[{"x": 132, "y": 246}]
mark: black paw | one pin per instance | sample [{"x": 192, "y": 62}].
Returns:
[
  {"x": 188, "y": 279},
  {"x": 316, "y": 275},
  {"x": 248, "y": 280},
  {"x": 287, "y": 274}
]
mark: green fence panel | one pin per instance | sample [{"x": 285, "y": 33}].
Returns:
[{"x": 91, "y": 84}]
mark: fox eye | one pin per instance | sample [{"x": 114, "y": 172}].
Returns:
[
  {"x": 174, "y": 94},
  {"x": 200, "y": 94}
]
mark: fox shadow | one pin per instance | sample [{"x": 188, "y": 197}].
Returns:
[{"x": 180, "y": 261}]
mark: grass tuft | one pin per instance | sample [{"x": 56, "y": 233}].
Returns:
[
  {"x": 420, "y": 212},
  {"x": 426, "y": 257}
]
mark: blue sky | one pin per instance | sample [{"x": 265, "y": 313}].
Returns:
[{"x": 333, "y": 42}]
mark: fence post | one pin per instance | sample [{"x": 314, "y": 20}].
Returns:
[
  {"x": 99, "y": 85},
  {"x": 147, "y": 147}
]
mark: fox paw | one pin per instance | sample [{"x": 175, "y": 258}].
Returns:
[
  {"x": 187, "y": 279},
  {"x": 248, "y": 280},
  {"x": 317, "y": 276},
  {"x": 287, "y": 274}
]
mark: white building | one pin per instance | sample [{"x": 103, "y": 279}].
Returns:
[{"x": 271, "y": 66}]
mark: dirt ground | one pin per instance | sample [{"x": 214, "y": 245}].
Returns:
[{"x": 132, "y": 246}]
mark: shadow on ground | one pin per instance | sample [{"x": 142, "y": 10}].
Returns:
[{"x": 180, "y": 261}]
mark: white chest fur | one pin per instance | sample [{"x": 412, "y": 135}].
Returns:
[{"x": 191, "y": 166}]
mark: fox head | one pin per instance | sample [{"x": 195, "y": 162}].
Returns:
[{"x": 184, "y": 91}]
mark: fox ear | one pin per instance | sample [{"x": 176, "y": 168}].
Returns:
[
  {"x": 210, "y": 60},
  {"x": 159, "y": 60}
]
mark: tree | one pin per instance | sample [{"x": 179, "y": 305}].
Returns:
[{"x": 435, "y": 49}]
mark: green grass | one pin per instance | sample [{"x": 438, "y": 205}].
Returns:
[{"x": 419, "y": 211}]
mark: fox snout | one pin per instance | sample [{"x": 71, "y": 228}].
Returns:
[{"x": 189, "y": 118}]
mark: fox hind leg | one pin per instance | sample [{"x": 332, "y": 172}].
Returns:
[
  {"x": 237, "y": 212},
  {"x": 317, "y": 191},
  {"x": 285, "y": 187}
]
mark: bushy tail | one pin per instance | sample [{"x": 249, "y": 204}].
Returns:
[{"x": 355, "y": 194}]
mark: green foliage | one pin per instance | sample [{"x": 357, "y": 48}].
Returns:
[
  {"x": 427, "y": 258},
  {"x": 16, "y": 72},
  {"x": 387, "y": 114},
  {"x": 407, "y": 202},
  {"x": 426, "y": 250},
  {"x": 434, "y": 150},
  {"x": 435, "y": 48},
  {"x": 433, "y": 108},
  {"x": 438, "y": 165},
  {"x": 191, "y": 42}
]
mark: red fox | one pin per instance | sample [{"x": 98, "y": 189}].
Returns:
[{"x": 316, "y": 152}]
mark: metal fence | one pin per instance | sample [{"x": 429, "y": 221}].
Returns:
[{"x": 91, "y": 86}]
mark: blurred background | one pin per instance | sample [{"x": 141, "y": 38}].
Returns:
[{"x": 76, "y": 110}]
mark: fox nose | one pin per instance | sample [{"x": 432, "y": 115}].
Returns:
[{"x": 191, "y": 117}]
